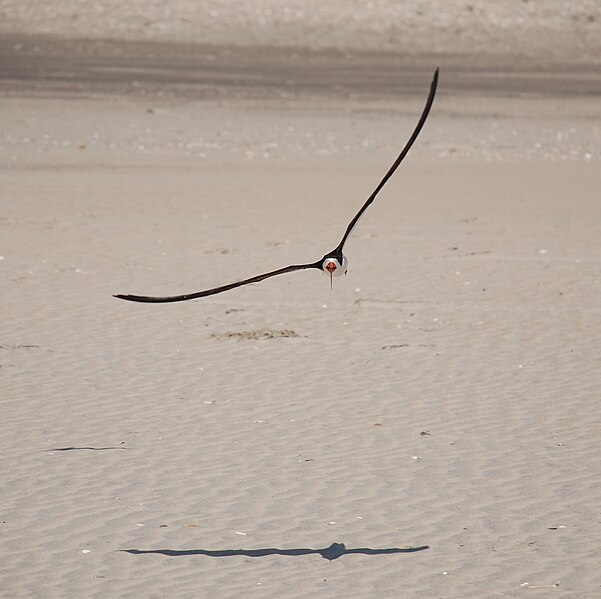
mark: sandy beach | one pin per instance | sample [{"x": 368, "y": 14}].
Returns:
[{"x": 429, "y": 427}]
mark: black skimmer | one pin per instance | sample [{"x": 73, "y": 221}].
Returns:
[{"x": 334, "y": 263}]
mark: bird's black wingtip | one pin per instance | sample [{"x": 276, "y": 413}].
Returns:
[{"x": 134, "y": 298}]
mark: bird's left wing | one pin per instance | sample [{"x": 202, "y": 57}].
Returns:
[{"x": 215, "y": 290}]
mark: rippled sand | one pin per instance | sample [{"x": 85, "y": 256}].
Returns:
[{"x": 428, "y": 428}]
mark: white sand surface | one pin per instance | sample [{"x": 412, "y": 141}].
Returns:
[
  {"x": 549, "y": 28},
  {"x": 428, "y": 428}
]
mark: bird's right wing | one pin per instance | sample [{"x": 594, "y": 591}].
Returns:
[
  {"x": 215, "y": 290},
  {"x": 396, "y": 163}
]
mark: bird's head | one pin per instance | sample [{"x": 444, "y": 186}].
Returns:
[{"x": 333, "y": 267}]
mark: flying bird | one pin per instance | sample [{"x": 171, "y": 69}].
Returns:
[{"x": 334, "y": 263}]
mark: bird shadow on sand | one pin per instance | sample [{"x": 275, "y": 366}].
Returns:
[
  {"x": 334, "y": 551},
  {"x": 83, "y": 448}
]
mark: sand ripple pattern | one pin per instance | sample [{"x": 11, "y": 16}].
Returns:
[{"x": 446, "y": 401}]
